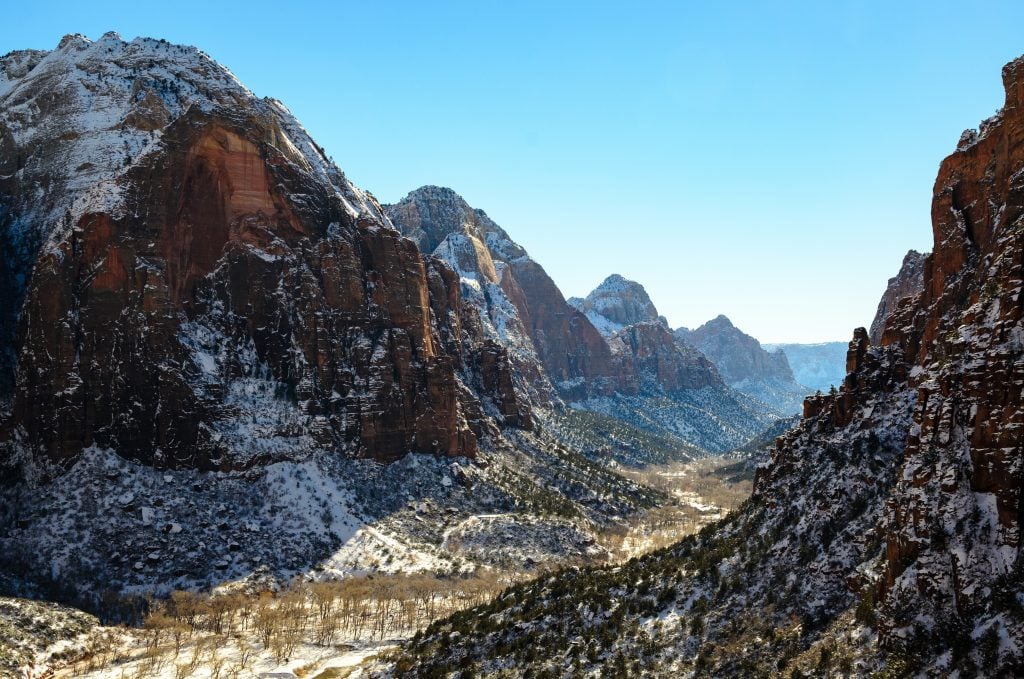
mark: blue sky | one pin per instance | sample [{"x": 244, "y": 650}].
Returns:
[{"x": 772, "y": 161}]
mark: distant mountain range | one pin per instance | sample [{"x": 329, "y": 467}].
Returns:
[{"x": 816, "y": 366}]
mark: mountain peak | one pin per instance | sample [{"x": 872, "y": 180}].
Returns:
[
  {"x": 429, "y": 214},
  {"x": 745, "y": 365},
  {"x": 618, "y": 302},
  {"x": 435, "y": 192},
  {"x": 615, "y": 280}
]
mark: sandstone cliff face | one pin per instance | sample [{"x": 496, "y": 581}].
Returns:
[
  {"x": 906, "y": 284},
  {"x": 951, "y": 525},
  {"x": 197, "y": 286},
  {"x": 960, "y": 490}
]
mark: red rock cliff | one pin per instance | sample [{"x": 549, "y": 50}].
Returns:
[{"x": 219, "y": 295}]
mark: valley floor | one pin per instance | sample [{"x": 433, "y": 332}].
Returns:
[{"x": 343, "y": 628}]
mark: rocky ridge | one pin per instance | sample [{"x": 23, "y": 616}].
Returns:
[{"x": 626, "y": 365}]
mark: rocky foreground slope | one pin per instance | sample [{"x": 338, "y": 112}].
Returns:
[{"x": 884, "y": 534}]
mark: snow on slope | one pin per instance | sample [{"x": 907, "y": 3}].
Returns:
[{"x": 106, "y": 126}]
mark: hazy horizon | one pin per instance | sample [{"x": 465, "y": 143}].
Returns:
[{"x": 775, "y": 173}]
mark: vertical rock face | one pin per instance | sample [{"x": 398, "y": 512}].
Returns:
[
  {"x": 906, "y": 284},
  {"x": 193, "y": 284},
  {"x": 745, "y": 365},
  {"x": 965, "y": 339}
]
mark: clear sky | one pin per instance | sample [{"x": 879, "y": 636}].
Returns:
[{"x": 771, "y": 161}]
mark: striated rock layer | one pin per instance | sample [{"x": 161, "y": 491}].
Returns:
[{"x": 195, "y": 285}]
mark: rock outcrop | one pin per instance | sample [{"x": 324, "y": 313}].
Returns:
[
  {"x": 745, "y": 365},
  {"x": 193, "y": 284},
  {"x": 904, "y": 285}
]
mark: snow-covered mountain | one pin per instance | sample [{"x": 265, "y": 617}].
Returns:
[
  {"x": 746, "y": 366},
  {"x": 616, "y": 303},
  {"x": 625, "y": 364},
  {"x": 148, "y": 279}
]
